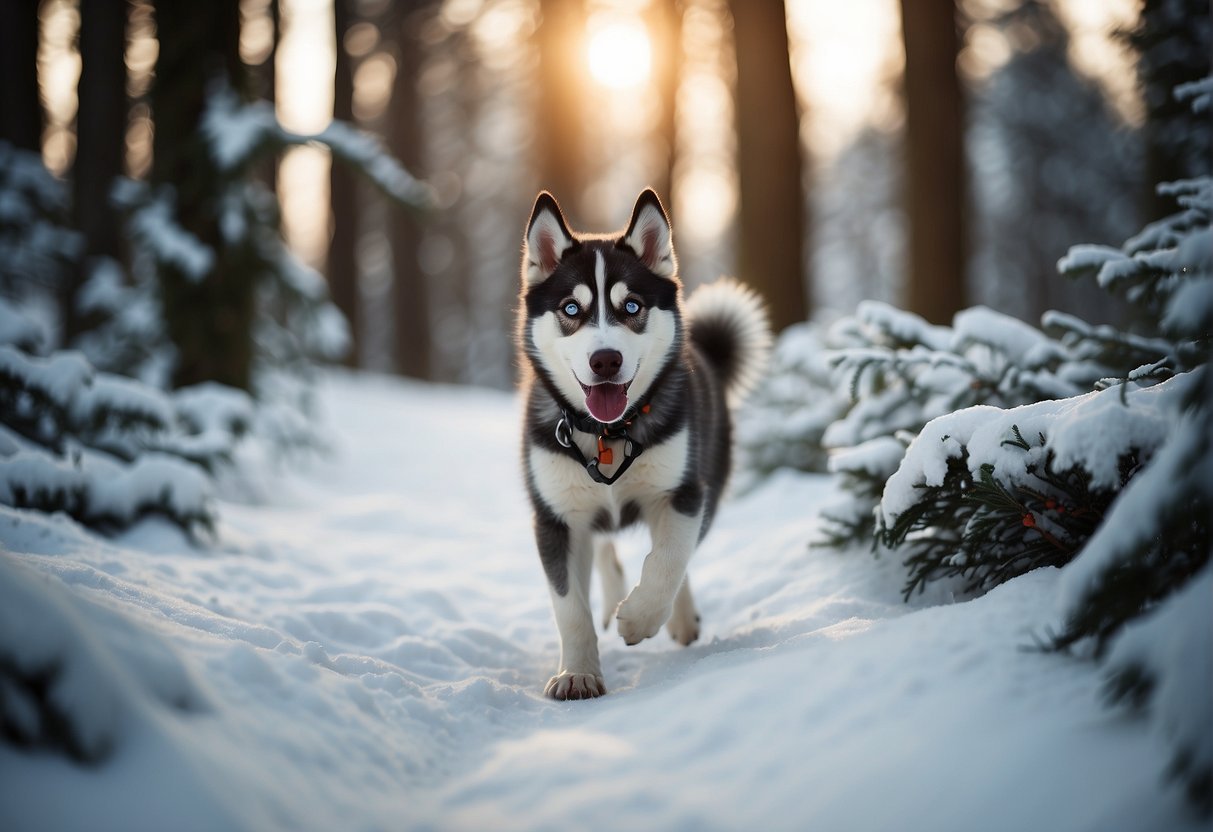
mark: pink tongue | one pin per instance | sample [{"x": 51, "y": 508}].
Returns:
[{"x": 606, "y": 402}]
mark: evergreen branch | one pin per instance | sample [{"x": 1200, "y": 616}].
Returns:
[{"x": 1018, "y": 441}]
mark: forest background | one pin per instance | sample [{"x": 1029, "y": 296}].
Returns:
[{"x": 931, "y": 155}]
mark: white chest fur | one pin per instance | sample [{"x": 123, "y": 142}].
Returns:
[{"x": 568, "y": 490}]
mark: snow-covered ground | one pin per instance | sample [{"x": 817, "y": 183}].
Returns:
[{"x": 365, "y": 644}]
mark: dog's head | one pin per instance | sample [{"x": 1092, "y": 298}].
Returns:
[{"x": 600, "y": 312}]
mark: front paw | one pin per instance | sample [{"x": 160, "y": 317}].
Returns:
[
  {"x": 641, "y": 616},
  {"x": 575, "y": 686}
]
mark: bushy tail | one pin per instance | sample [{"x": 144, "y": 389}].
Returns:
[{"x": 728, "y": 324}]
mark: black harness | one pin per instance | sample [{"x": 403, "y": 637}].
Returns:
[{"x": 615, "y": 430}]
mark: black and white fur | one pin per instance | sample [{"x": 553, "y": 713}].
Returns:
[{"x": 687, "y": 361}]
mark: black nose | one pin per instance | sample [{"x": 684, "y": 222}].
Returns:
[{"x": 606, "y": 363}]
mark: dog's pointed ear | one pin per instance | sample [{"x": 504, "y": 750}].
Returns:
[
  {"x": 547, "y": 239},
  {"x": 649, "y": 235}
]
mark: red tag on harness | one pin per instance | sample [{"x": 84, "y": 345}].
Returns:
[{"x": 605, "y": 456}]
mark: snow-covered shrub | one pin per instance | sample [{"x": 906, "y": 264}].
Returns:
[
  {"x": 38, "y": 249},
  {"x": 74, "y": 677},
  {"x": 37, "y": 245},
  {"x": 1164, "y": 663},
  {"x": 1157, "y": 535},
  {"x": 1115, "y": 485},
  {"x": 884, "y": 371},
  {"x": 1079, "y": 446},
  {"x": 902, "y": 372},
  {"x": 972, "y": 494},
  {"x": 989, "y": 494},
  {"x": 127, "y": 335},
  {"x": 782, "y": 423},
  {"x": 1162, "y": 271},
  {"x": 20, "y": 330},
  {"x": 1119, "y": 485},
  {"x": 106, "y": 449}
]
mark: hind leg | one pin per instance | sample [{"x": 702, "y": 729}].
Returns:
[
  {"x": 610, "y": 575},
  {"x": 684, "y": 622}
]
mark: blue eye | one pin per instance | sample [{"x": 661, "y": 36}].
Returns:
[
  {"x": 572, "y": 310},
  {"x": 631, "y": 307}
]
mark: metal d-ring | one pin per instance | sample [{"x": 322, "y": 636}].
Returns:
[{"x": 564, "y": 434}]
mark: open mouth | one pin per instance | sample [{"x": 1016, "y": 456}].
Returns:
[{"x": 606, "y": 402}]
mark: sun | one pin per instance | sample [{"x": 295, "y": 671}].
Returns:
[{"x": 619, "y": 52}]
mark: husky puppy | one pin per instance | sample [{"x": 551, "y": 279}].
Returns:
[{"x": 626, "y": 391}]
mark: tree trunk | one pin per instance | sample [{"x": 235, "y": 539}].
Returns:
[
  {"x": 410, "y": 289},
  {"x": 773, "y": 210},
  {"x": 265, "y": 81},
  {"x": 665, "y": 26},
  {"x": 21, "y": 116},
  {"x": 560, "y": 123},
  {"x": 100, "y": 143},
  {"x": 342, "y": 268},
  {"x": 935, "y": 164},
  {"x": 208, "y": 316}
]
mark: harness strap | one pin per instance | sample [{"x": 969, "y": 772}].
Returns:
[{"x": 615, "y": 430}]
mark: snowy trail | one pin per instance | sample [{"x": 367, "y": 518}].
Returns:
[{"x": 366, "y": 645}]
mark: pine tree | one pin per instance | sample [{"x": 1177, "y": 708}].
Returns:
[
  {"x": 1173, "y": 40},
  {"x": 197, "y": 50},
  {"x": 207, "y": 229},
  {"x": 989, "y": 448},
  {"x": 990, "y": 511},
  {"x": 1113, "y": 485},
  {"x": 1140, "y": 589},
  {"x": 105, "y": 449},
  {"x": 199, "y": 249}
]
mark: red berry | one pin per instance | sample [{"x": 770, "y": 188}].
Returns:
[{"x": 1029, "y": 520}]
